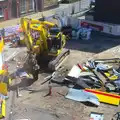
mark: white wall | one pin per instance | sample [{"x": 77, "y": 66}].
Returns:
[{"x": 78, "y": 6}]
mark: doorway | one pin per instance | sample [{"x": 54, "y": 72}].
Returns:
[{"x": 14, "y": 9}]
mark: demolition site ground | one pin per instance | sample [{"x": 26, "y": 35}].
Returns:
[{"x": 34, "y": 105}]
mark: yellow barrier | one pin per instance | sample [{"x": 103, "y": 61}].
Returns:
[
  {"x": 3, "y": 109},
  {"x": 105, "y": 97},
  {"x": 3, "y": 88},
  {"x": 1, "y": 45}
]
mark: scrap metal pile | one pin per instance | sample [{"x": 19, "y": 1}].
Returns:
[{"x": 95, "y": 81}]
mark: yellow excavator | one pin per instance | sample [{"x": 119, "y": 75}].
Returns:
[{"x": 45, "y": 43}]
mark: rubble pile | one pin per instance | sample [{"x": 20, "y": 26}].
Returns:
[{"x": 95, "y": 81}]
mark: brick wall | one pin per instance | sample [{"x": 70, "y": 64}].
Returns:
[{"x": 14, "y": 7}]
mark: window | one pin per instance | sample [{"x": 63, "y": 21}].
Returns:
[
  {"x": 54, "y": 31},
  {"x": 23, "y": 4},
  {"x": 1, "y": 12},
  {"x": 31, "y": 5}
]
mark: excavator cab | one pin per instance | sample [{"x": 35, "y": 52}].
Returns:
[
  {"x": 54, "y": 31},
  {"x": 56, "y": 41}
]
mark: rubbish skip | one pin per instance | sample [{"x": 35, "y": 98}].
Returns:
[{"x": 82, "y": 96}]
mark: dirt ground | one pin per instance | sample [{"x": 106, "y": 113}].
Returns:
[{"x": 33, "y": 93}]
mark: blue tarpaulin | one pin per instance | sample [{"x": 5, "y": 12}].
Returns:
[{"x": 82, "y": 96}]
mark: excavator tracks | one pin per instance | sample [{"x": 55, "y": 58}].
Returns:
[{"x": 58, "y": 61}]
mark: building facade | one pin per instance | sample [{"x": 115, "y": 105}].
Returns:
[
  {"x": 22, "y": 7},
  {"x": 5, "y": 9},
  {"x": 16, "y": 8}
]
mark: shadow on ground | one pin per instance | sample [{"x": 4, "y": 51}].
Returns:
[
  {"x": 25, "y": 82},
  {"x": 99, "y": 43}
]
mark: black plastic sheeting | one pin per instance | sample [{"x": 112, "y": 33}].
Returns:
[{"x": 107, "y": 11}]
